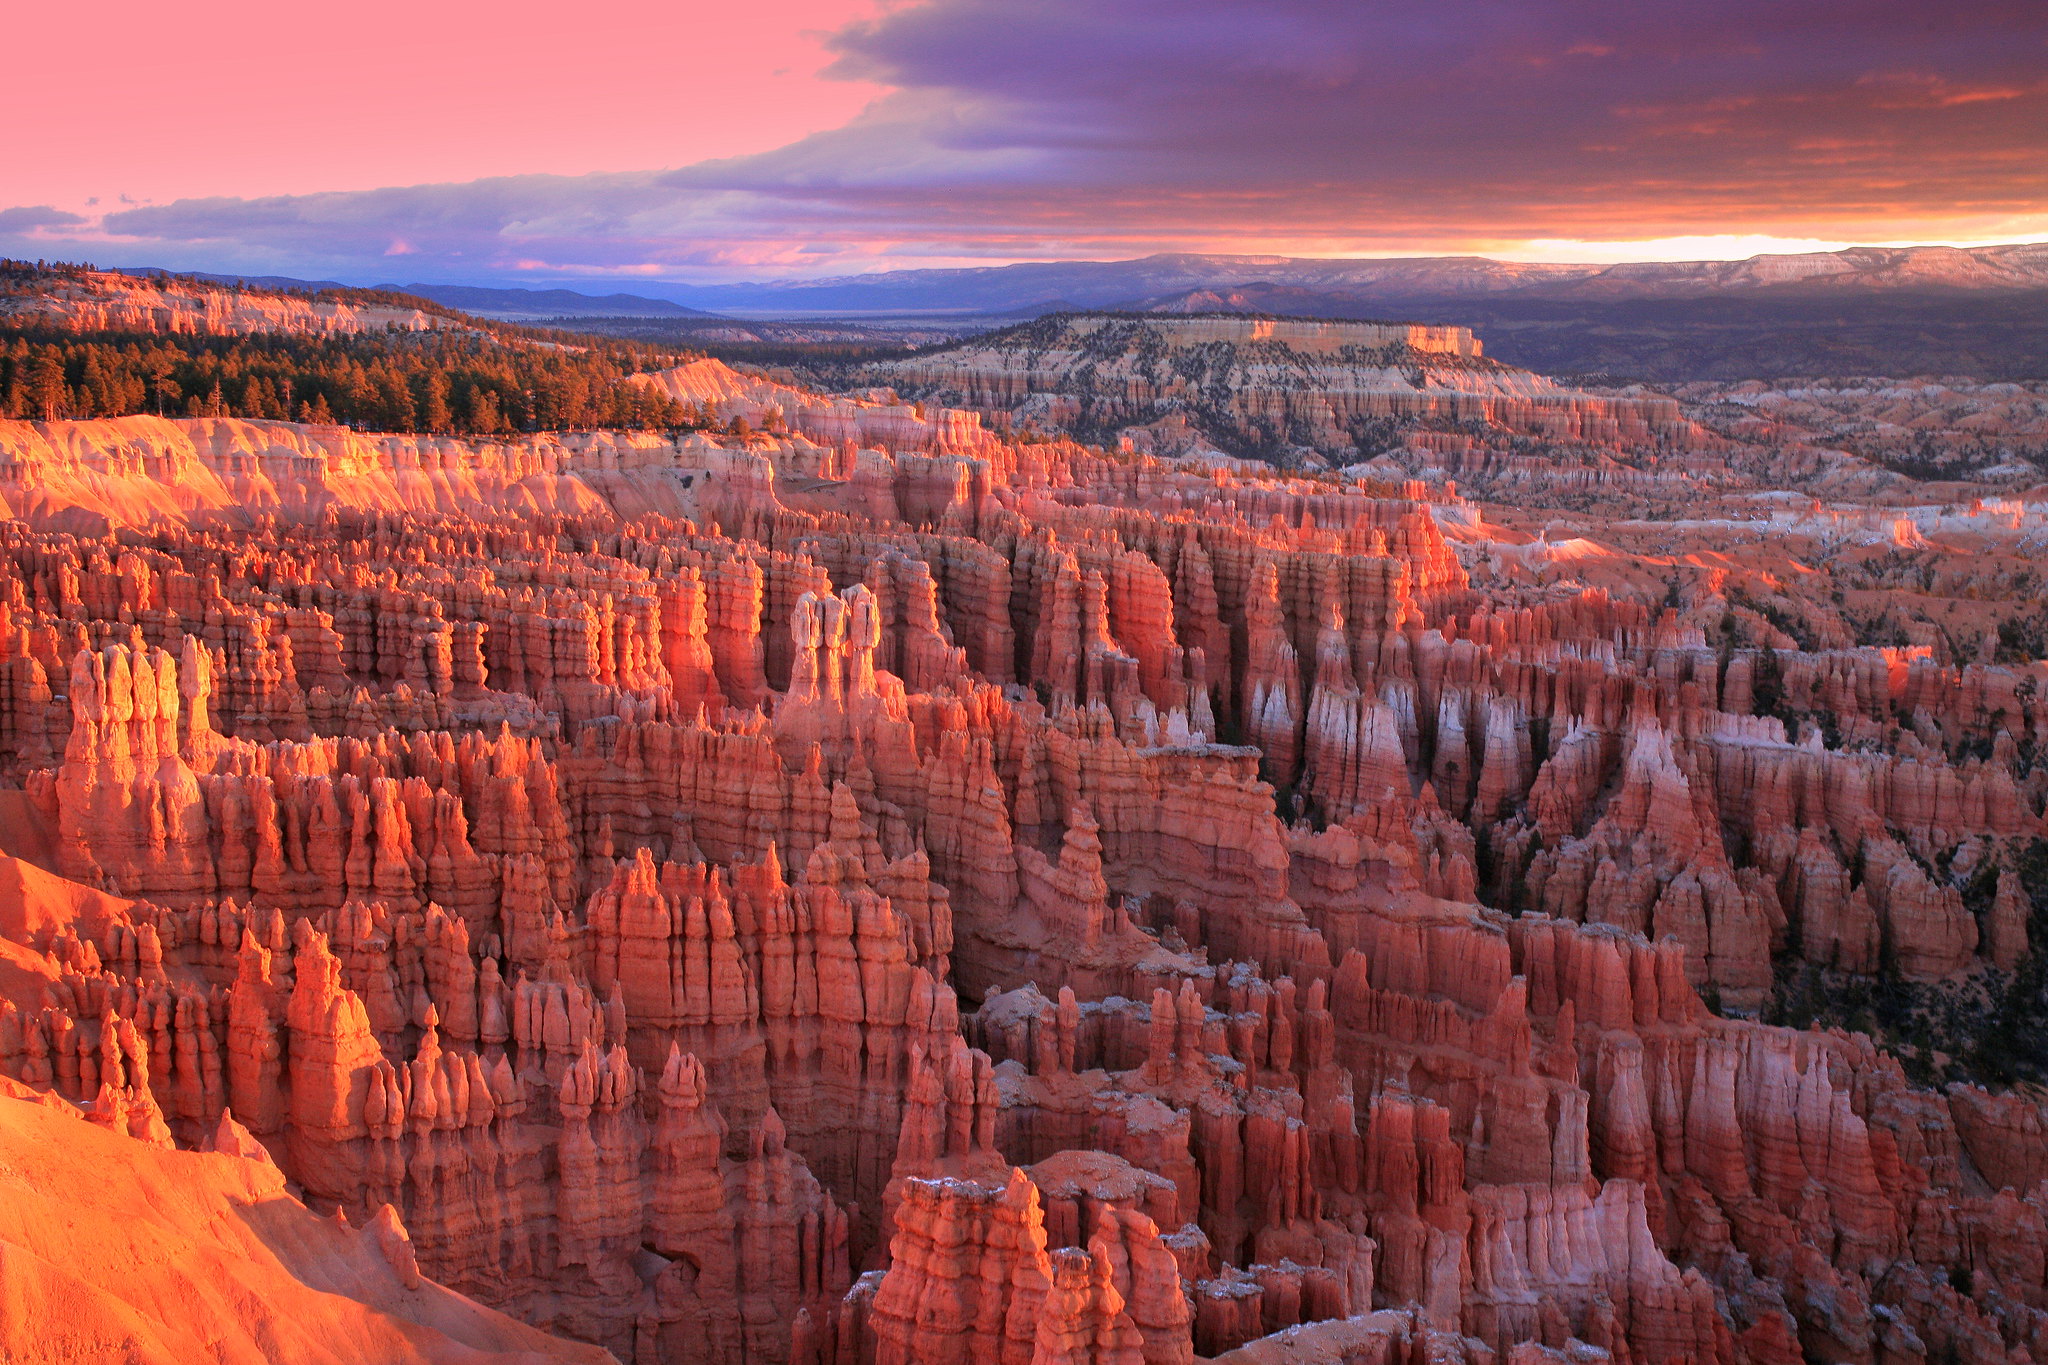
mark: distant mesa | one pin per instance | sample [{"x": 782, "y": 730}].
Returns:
[
  {"x": 534, "y": 305},
  {"x": 1932, "y": 310},
  {"x": 1261, "y": 386},
  {"x": 1305, "y": 335}
]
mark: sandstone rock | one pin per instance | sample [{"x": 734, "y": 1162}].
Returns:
[{"x": 643, "y": 899}]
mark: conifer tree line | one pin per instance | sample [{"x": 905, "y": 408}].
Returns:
[
  {"x": 441, "y": 382},
  {"x": 475, "y": 378}
]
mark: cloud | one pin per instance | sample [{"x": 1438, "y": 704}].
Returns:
[
  {"x": 1474, "y": 110},
  {"x": 1115, "y": 127},
  {"x": 29, "y": 218}
]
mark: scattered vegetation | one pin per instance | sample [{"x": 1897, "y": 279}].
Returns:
[
  {"x": 1987, "y": 1029},
  {"x": 2023, "y": 639}
]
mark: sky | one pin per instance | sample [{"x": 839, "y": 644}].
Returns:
[{"x": 631, "y": 142}]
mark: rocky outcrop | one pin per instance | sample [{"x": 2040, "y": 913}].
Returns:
[
  {"x": 1265, "y": 385},
  {"x": 104, "y": 301}
]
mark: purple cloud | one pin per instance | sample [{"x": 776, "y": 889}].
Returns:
[{"x": 30, "y": 217}]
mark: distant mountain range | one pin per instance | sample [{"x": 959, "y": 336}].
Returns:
[
  {"x": 503, "y": 304},
  {"x": 530, "y": 305},
  {"x": 1053, "y": 285}
]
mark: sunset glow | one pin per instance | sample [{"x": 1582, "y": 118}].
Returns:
[{"x": 823, "y": 137}]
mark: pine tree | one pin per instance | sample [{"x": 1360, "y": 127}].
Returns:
[
  {"x": 484, "y": 417},
  {"x": 433, "y": 406},
  {"x": 93, "y": 397},
  {"x": 48, "y": 394}
]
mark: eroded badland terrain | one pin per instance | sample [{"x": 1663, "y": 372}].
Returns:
[{"x": 1144, "y": 839}]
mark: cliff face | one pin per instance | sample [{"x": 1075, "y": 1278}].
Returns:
[
  {"x": 139, "y": 471},
  {"x": 130, "y": 471},
  {"x": 881, "y": 891},
  {"x": 1267, "y": 385},
  {"x": 1300, "y": 335},
  {"x": 103, "y": 301}
]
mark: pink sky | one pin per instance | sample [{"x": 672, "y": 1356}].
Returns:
[{"x": 246, "y": 98}]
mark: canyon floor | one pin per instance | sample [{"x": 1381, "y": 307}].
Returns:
[{"x": 1552, "y": 875}]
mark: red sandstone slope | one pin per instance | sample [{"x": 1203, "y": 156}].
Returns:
[
  {"x": 35, "y": 903},
  {"x": 117, "y": 1251}
]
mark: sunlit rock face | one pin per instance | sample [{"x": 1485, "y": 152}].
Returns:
[
  {"x": 1265, "y": 386},
  {"x": 120, "y": 1248},
  {"x": 105, "y": 301},
  {"x": 882, "y": 889}
]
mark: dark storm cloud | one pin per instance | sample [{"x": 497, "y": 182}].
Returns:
[{"x": 1065, "y": 127}]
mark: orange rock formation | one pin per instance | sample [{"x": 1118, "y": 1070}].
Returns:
[{"x": 876, "y": 891}]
